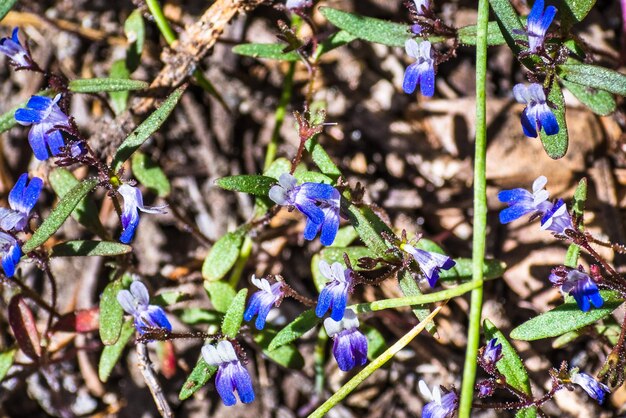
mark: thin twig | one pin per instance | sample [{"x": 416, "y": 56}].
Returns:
[{"x": 151, "y": 381}]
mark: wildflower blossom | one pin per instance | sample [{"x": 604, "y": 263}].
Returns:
[
  {"x": 538, "y": 22},
  {"x": 46, "y": 119},
  {"x": 13, "y": 49},
  {"x": 522, "y": 202},
  {"x": 349, "y": 345},
  {"x": 557, "y": 219},
  {"x": 430, "y": 263},
  {"x": 416, "y": 29},
  {"x": 133, "y": 203},
  {"x": 136, "y": 302},
  {"x": 334, "y": 295},
  {"x": 421, "y": 6},
  {"x": 231, "y": 375},
  {"x": 485, "y": 388},
  {"x": 490, "y": 355},
  {"x": 10, "y": 252},
  {"x": 580, "y": 285},
  {"x": 593, "y": 388},
  {"x": 422, "y": 71},
  {"x": 22, "y": 199},
  {"x": 537, "y": 115},
  {"x": 319, "y": 202},
  {"x": 440, "y": 406},
  {"x": 262, "y": 301},
  {"x": 298, "y": 4}
]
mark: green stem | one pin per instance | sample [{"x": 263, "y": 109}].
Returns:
[
  {"x": 376, "y": 364},
  {"x": 320, "y": 359},
  {"x": 279, "y": 117},
  {"x": 480, "y": 213}
]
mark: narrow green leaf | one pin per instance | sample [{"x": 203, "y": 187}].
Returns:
[
  {"x": 409, "y": 287},
  {"x": 556, "y": 145},
  {"x": 223, "y": 255},
  {"x": 511, "y": 366},
  {"x": 295, "y": 329},
  {"x": 574, "y": 11},
  {"x": 6, "y": 361},
  {"x": 119, "y": 99},
  {"x": 111, "y": 312},
  {"x": 370, "y": 228},
  {"x": 376, "y": 344},
  {"x": 199, "y": 376},
  {"x": 146, "y": 129},
  {"x": 111, "y": 354},
  {"x": 333, "y": 41},
  {"x": 135, "y": 31},
  {"x": 267, "y": 51},
  {"x": 98, "y": 85},
  {"x": 150, "y": 174},
  {"x": 345, "y": 236},
  {"x": 5, "y": 7},
  {"x": 221, "y": 295},
  {"x": 322, "y": 159},
  {"x": 509, "y": 23},
  {"x": 565, "y": 318},
  {"x": 578, "y": 209},
  {"x": 86, "y": 212},
  {"x": 286, "y": 355},
  {"x": 234, "y": 315},
  {"x": 251, "y": 184},
  {"x": 278, "y": 167},
  {"x": 599, "y": 101},
  {"x": 59, "y": 214},
  {"x": 89, "y": 249},
  {"x": 594, "y": 76},
  {"x": 305, "y": 176},
  {"x": 527, "y": 412}
]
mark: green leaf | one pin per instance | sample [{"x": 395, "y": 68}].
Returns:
[
  {"x": 251, "y": 184},
  {"x": 322, "y": 159},
  {"x": 97, "y": 85},
  {"x": 86, "y": 212},
  {"x": 556, "y": 145},
  {"x": 89, "y": 248},
  {"x": 305, "y": 176},
  {"x": 463, "y": 270},
  {"x": 111, "y": 354},
  {"x": 146, "y": 129},
  {"x": 370, "y": 228},
  {"x": 509, "y": 23},
  {"x": 234, "y": 315},
  {"x": 376, "y": 344},
  {"x": 223, "y": 255},
  {"x": 599, "y": 101},
  {"x": 169, "y": 298},
  {"x": 286, "y": 355},
  {"x": 119, "y": 99},
  {"x": 594, "y": 76},
  {"x": 527, "y": 412},
  {"x": 268, "y": 51},
  {"x": 333, "y": 41},
  {"x": 345, "y": 236},
  {"x": 335, "y": 254},
  {"x": 511, "y": 366},
  {"x": 278, "y": 167},
  {"x": 409, "y": 287},
  {"x": 199, "y": 376},
  {"x": 59, "y": 214},
  {"x": 578, "y": 209},
  {"x": 565, "y": 318},
  {"x": 111, "y": 312},
  {"x": 135, "y": 31},
  {"x": 574, "y": 11},
  {"x": 467, "y": 34},
  {"x": 295, "y": 329},
  {"x": 150, "y": 174},
  {"x": 221, "y": 295},
  {"x": 5, "y": 8},
  {"x": 6, "y": 361},
  {"x": 194, "y": 316}
]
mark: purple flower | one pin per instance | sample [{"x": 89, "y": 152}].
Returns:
[
  {"x": 422, "y": 71},
  {"x": 522, "y": 202},
  {"x": 13, "y": 49},
  {"x": 10, "y": 252},
  {"x": 335, "y": 294},
  {"x": 557, "y": 219},
  {"x": 262, "y": 301},
  {"x": 349, "y": 345},
  {"x": 136, "y": 302},
  {"x": 593, "y": 388},
  {"x": 537, "y": 115},
  {"x": 538, "y": 22},
  {"x": 231, "y": 375},
  {"x": 298, "y": 4},
  {"x": 485, "y": 388},
  {"x": 581, "y": 286},
  {"x": 46, "y": 118},
  {"x": 133, "y": 203},
  {"x": 440, "y": 406},
  {"x": 319, "y": 202},
  {"x": 77, "y": 149},
  {"x": 22, "y": 199},
  {"x": 416, "y": 29},
  {"x": 492, "y": 353},
  {"x": 430, "y": 263}
]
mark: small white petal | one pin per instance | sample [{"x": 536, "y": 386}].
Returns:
[
  {"x": 437, "y": 394},
  {"x": 210, "y": 355},
  {"x": 325, "y": 269},
  {"x": 140, "y": 292},
  {"x": 332, "y": 327},
  {"x": 339, "y": 272},
  {"x": 539, "y": 183},
  {"x": 412, "y": 48},
  {"x": 226, "y": 351},
  {"x": 425, "y": 390}
]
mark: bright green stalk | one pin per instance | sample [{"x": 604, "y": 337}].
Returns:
[
  {"x": 480, "y": 213},
  {"x": 376, "y": 364}
]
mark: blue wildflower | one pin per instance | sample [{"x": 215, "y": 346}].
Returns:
[
  {"x": 521, "y": 202},
  {"x": 537, "y": 115},
  {"x": 349, "y": 345},
  {"x": 334, "y": 295},
  {"x": 538, "y": 22},
  {"x": 133, "y": 203},
  {"x": 430, "y": 263},
  {"x": 416, "y": 29},
  {"x": 136, "y": 302},
  {"x": 10, "y": 252},
  {"x": 557, "y": 219},
  {"x": 13, "y": 49},
  {"x": 422, "y": 71},
  {"x": 262, "y": 301},
  {"x": 440, "y": 406},
  {"x": 492, "y": 353},
  {"x": 22, "y": 198},
  {"x": 580, "y": 285},
  {"x": 593, "y": 388},
  {"x": 231, "y": 375},
  {"x": 46, "y": 118},
  {"x": 319, "y": 202}
]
